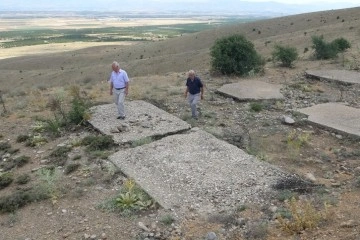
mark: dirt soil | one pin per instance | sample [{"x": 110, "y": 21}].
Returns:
[{"x": 329, "y": 158}]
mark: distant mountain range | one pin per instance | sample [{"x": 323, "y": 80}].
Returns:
[{"x": 223, "y": 7}]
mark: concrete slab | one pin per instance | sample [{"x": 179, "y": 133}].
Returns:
[
  {"x": 336, "y": 75},
  {"x": 252, "y": 90},
  {"x": 197, "y": 171},
  {"x": 335, "y": 116},
  {"x": 143, "y": 120}
]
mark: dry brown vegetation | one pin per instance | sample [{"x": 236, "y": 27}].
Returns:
[{"x": 157, "y": 70}]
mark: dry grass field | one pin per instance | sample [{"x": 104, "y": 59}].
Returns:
[{"x": 34, "y": 76}]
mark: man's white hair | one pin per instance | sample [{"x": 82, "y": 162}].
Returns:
[
  {"x": 116, "y": 64},
  {"x": 192, "y": 72}
]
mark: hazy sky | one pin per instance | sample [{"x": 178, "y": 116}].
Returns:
[{"x": 161, "y": 5}]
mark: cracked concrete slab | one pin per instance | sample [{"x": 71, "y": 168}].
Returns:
[
  {"x": 196, "y": 171},
  {"x": 251, "y": 90},
  {"x": 335, "y": 116},
  {"x": 335, "y": 75},
  {"x": 143, "y": 120}
]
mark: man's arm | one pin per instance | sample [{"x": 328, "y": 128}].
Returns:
[
  {"x": 126, "y": 88},
  {"x": 186, "y": 91},
  {"x": 111, "y": 87}
]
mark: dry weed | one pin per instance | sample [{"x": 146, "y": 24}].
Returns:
[{"x": 304, "y": 216}]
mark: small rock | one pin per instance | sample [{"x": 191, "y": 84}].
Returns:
[
  {"x": 241, "y": 221},
  {"x": 338, "y": 136},
  {"x": 311, "y": 177},
  {"x": 86, "y": 236},
  {"x": 288, "y": 120},
  {"x": 349, "y": 224},
  {"x": 93, "y": 236},
  {"x": 336, "y": 184},
  {"x": 357, "y": 171},
  {"x": 103, "y": 236},
  {"x": 211, "y": 236},
  {"x": 114, "y": 130},
  {"x": 143, "y": 227},
  {"x": 273, "y": 209}
]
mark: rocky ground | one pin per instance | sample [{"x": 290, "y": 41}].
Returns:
[{"x": 77, "y": 210}]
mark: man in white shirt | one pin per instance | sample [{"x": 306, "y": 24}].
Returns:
[{"x": 119, "y": 86}]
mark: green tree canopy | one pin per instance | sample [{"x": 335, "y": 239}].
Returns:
[{"x": 235, "y": 55}]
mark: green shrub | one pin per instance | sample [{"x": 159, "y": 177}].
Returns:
[
  {"x": 256, "y": 107},
  {"x": 131, "y": 199},
  {"x": 99, "y": 142},
  {"x": 325, "y": 50},
  {"x": 60, "y": 155},
  {"x": 235, "y": 55},
  {"x": 23, "y": 179},
  {"x": 167, "y": 219},
  {"x": 342, "y": 44},
  {"x": 20, "y": 199},
  {"x": 141, "y": 141},
  {"x": 6, "y": 179},
  {"x": 71, "y": 168},
  {"x": 4, "y": 146},
  {"x": 21, "y": 161},
  {"x": 287, "y": 55},
  {"x": 53, "y": 126},
  {"x": 79, "y": 112},
  {"x": 12, "y": 163},
  {"x": 257, "y": 230},
  {"x": 22, "y": 138}
]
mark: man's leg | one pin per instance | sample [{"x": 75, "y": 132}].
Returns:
[
  {"x": 120, "y": 103},
  {"x": 116, "y": 98},
  {"x": 193, "y": 103}
]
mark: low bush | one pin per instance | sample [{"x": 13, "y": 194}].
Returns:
[
  {"x": 4, "y": 146},
  {"x": 22, "y": 138},
  {"x": 99, "y": 142},
  {"x": 167, "y": 219},
  {"x": 59, "y": 156},
  {"x": 326, "y": 50},
  {"x": 6, "y": 179},
  {"x": 72, "y": 167},
  {"x": 130, "y": 200},
  {"x": 23, "y": 179},
  {"x": 304, "y": 216},
  {"x": 21, "y": 198},
  {"x": 286, "y": 55},
  {"x": 256, "y": 107},
  {"x": 12, "y": 163}
]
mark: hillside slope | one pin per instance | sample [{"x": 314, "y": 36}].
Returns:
[{"x": 179, "y": 54}]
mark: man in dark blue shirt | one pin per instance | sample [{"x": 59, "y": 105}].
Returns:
[{"x": 195, "y": 88}]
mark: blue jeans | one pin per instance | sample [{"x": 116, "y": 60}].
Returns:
[{"x": 193, "y": 101}]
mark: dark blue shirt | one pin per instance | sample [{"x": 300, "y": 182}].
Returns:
[{"x": 194, "y": 86}]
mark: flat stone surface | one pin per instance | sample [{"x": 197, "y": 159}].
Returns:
[
  {"x": 335, "y": 116},
  {"x": 336, "y": 75},
  {"x": 252, "y": 90},
  {"x": 196, "y": 171},
  {"x": 142, "y": 120}
]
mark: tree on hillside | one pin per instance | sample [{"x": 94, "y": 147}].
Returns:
[
  {"x": 326, "y": 50},
  {"x": 287, "y": 55},
  {"x": 235, "y": 55}
]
